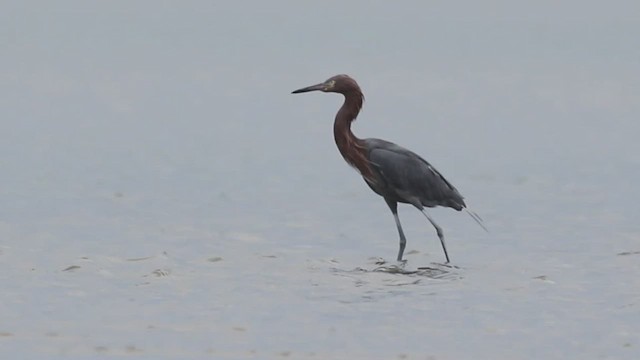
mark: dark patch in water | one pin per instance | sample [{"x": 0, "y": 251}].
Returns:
[
  {"x": 141, "y": 259},
  {"x": 161, "y": 272},
  {"x": 437, "y": 271},
  {"x": 624, "y": 253}
]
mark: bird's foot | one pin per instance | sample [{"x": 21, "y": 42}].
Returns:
[{"x": 381, "y": 261}]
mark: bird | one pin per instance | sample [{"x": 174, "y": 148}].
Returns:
[{"x": 395, "y": 173}]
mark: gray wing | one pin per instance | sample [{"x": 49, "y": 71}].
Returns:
[{"x": 406, "y": 177}]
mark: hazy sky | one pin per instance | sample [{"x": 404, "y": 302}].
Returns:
[{"x": 115, "y": 93}]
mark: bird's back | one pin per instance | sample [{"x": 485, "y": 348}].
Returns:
[{"x": 404, "y": 176}]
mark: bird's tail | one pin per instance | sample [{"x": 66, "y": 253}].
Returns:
[{"x": 476, "y": 218}]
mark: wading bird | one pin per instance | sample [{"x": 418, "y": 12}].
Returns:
[{"x": 393, "y": 172}]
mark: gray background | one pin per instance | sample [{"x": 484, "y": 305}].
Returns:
[{"x": 164, "y": 196}]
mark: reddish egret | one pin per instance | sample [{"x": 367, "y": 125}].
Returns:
[{"x": 393, "y": 172}]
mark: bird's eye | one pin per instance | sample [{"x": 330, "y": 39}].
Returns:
[{"x": 330, "y": 84}]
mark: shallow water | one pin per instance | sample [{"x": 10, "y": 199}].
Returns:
[
  {"x": 91, "y": 286},
  {"x": 164, "y": 196}
]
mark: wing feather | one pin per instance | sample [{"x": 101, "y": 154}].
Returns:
[{"x": 410, "y": 178}]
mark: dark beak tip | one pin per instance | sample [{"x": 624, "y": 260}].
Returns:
[
  {"x": 300, "y": 91},
  {"x": 317, "y": 87}
]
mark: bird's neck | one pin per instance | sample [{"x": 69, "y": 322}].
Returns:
[{"x": 351, "y": 148}]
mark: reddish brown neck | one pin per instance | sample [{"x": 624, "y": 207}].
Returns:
[{"x": 351, "y": 148}]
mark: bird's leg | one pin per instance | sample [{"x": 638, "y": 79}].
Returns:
[
  {"x": 439, "y": 232},
  {"x": 403, "y": 241}
]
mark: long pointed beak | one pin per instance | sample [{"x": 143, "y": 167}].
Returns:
[{"x": 317, "y": 87}]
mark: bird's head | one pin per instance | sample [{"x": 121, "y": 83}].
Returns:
[{"x": 339, "y": 84}]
